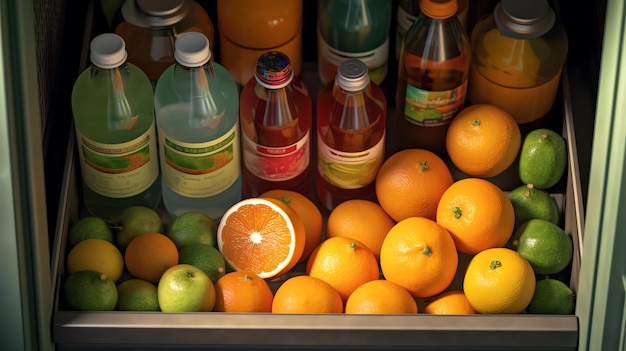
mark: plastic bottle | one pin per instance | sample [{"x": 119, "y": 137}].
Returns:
[
  {"x": 357, "y": 29},
  {"x": 197, "y": 113},
  {"x": 407, "y": 12},
  {"x": 351, "y": 123},
  {"x": 432, "y": 77},
  {"x": 250, "y": 28},
  {"x": 518, "y": 53},
  {"x": 112, "y": 104},
  {"x": 275, "y": 117},
  {"x": 150, "y": 28}
]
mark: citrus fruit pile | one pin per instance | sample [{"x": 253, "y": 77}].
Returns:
[{"x": 441, "y": 238}]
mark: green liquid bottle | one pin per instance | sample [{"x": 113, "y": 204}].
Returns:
[{"x": 113, "y": 108}]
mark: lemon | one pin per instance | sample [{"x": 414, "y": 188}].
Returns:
[
  {"x": 543, "y": 158},
  {"x": 206, "y": 257},
  {"x": 545, "y": 245},
  {"x": 91, "y": 227},
  {"x": 90, "y": 291},
  {"x": 137, "y": 295},
  {"x": 530, "y": 203},
  {"x": 191, "y": 228},
  {"x": 552, "y": 296},
  {"x": 96, "y": 255}
]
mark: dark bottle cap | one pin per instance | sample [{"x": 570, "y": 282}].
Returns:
[
  {"x": 273, "y": 70},
  {"x": 523, "y": 19},
  {"x": 352, "y": 75}
]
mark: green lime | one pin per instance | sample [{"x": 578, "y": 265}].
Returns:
[
  {"x": 137, "y": 295},
  {"x": 530, "y": 203},
  {"x": 205, "y": 257},
  {"x": 543, "y": 158},
  {"x": 552, "y": 297},
  {"x": 137, "y": 220},
  {"x": 90, "y": 291},
  {"x": 89, "y": 228},
  {"x": 193, "y": 228},
  {"x": 544, "y": 245}
]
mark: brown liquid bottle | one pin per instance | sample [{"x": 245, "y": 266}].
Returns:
[{"x": 432, "y": 77}]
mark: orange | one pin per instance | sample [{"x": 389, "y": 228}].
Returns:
[
  {"x": 478, "y": 215},
  {"x": 499, "y": 280},
  {"x": 411, "y": 182},
  {"x": 380, "y": 297},
  {"x": 308, "y": 212},
  {"x": 343, "y": 263},
  {"x": 261, "y": 236},
  {"x": 306, "y": 294},
  {"x": 483, "y": 140},
  {"x": 361, "y": 220},
  {"x": 242, "y": 292},
  {"x": 419, "y": 255},
  {"x": 450, "y": 302},
  {"x": 149, "y": 255}
]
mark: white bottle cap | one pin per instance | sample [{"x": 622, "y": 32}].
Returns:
[
  {"x": 108, "y": 50},
  {"x": 155, "y": 13},
  {"x": 352, "y": 75},
  {"x": 192, "y": 49}
]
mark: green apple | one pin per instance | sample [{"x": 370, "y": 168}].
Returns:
[
  {"x": 185, "y": 288},
  {"x": 136, "y": 220}
]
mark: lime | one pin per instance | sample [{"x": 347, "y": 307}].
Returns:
[
  {"x": 192, "y": 228},
  {"x": 96, "y": 255},
  {"x": 90, "y": 291},
  {"x": 552, "y": 296},
  {"x": 530, "y": 203},
  {"x": 545, "y": 245},
  {"x": 137, "y": 220},
  {"x": 543, "y": 158},
  {"x": 205, "y": 257},
  {"x": 91, "y": 227},
  {"x": 137, "y": 295}
]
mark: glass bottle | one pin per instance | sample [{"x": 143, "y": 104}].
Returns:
[
  {"x": 250, "y": 28},
  {"x": 356, "y": 29},
  {"x": 518, "y": 53},
  {"x": 432, "y": 77},
  {"x": 275, "y": 117},
  {"x": 150, "y": 27},
  {"x": 197, "y": 113},
  {"x": 351, "y": 123},
  {"x": 112, "y": 105}
]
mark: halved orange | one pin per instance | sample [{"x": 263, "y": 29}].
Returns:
[{"x": 261, "y": 235}]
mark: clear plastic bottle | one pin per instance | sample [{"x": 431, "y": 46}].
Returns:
[
  {"x": 250, "y": 28},
  {"x": 276, "y": 117},
  {"x": 351, "y": 124},
  {"x": 150, "y": 28},
  {"x": 112, "y": 104},
  {"x": 518, "y": 53},
  {"x": 197, "y": 113},
  {"x": 432, "y": 77},
  {"x": 357, "y": 29}
]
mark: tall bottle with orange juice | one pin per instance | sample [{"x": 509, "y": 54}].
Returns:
[
  {"x": 432, "y": 77},
  {"x": 249, "y": 28},
  {"x": 518, "y": 54}
]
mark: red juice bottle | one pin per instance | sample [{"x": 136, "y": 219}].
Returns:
[
  {"x": 276, "y": 118},
  {"x": 351, "y": 119}
]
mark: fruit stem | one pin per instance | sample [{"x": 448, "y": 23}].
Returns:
[
  {"x": 457, "y": 212},
  {"x": 476, "y": 122},
  {"x": 426, "y": 251},
  {"x": 423, "y": 166},
  {"x": 544, "y": 136},
  {"x": 495, "y": 264},
  {"x": 353, "y": 246},
  {"x": 528, "y": 192},
  {"x": 285, "y": 199}
]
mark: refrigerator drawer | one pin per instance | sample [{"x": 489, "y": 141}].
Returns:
[{"x": 75, "y": 330}]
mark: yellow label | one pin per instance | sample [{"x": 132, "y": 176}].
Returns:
[
  {"x": 119, "y": 170},
  {"x": 200, "y": 169}
]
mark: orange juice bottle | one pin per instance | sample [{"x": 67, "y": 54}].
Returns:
[
  {"x": 518, "y": 53},
  {"x": 249, "y": 28},
  {"x": 150, "y": 28}
]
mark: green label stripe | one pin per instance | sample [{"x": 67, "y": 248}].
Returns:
[
  {"x": 198, "y": 164},
  {"x": 116, "y": 164},
  {"x": 202, "y": 150}
]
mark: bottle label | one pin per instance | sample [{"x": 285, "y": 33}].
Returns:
[
  {"x": 372, "y": 58},
  {"x": 119, "y": 170},
  {"x": 277, "y": 163},
  {"x": 200, "y": 169},
  {"x": 433, "y": 108},
  {"x": 349, "y": 170}
]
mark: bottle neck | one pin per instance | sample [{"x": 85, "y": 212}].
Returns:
[
  {"x": 121, "y": 111},
  {"x": 192, "y": 84}
]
